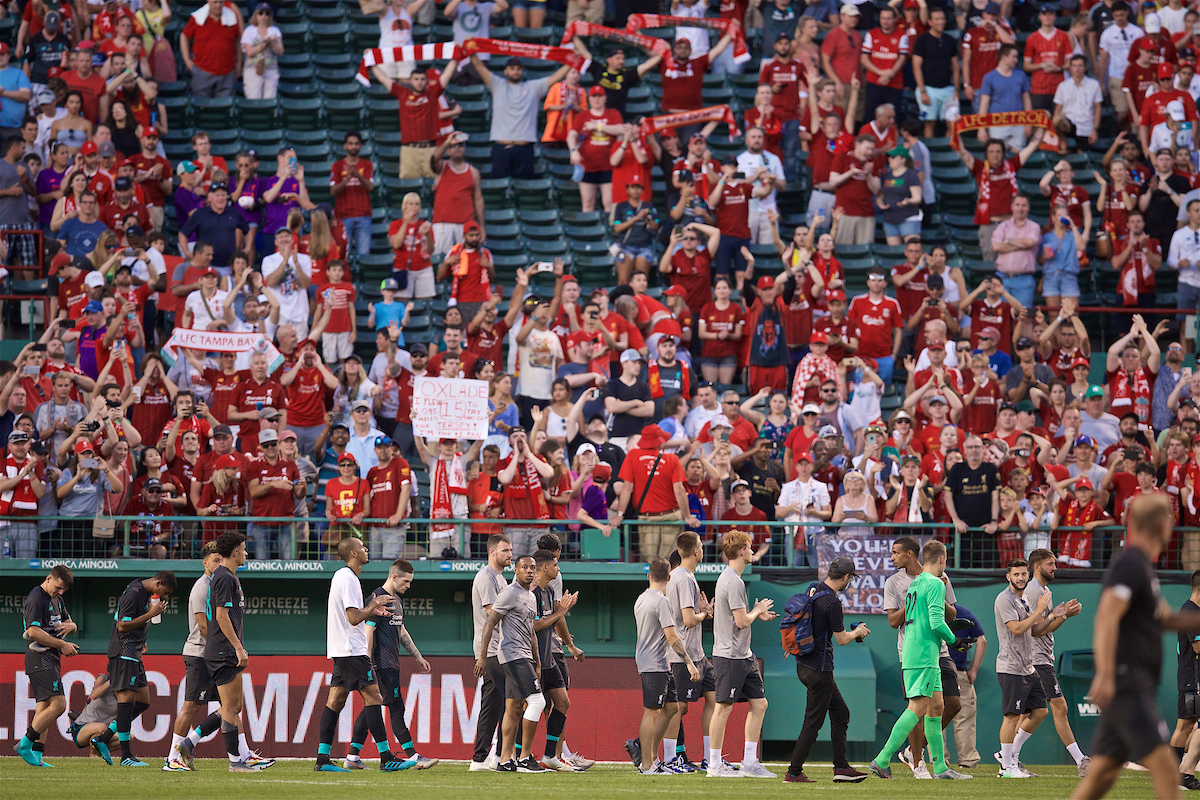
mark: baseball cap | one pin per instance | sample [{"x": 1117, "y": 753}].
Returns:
[
  {"x": 719, "y": 421},
  {"x": 739, "y": 484},
  {"x": 218, "y": 186},
  {"x": 52, "y": 22},
  {"x": 227, "y": 461},
  {"x": 81, "y": 446},
  {"x": 783, "y": 35},
  {"x": 210, "y": 273},
  {"x": 347, "y": 457},
  {"x": 513, "y": 62},
  {"x": 268, "y": 435},
  {"x": 991, "y": 8},
  {"x": 601, "y": 472},
  {"x": 842, "y": 566},
  {"x": 22, "y": 436},
  {"x": 586, "y": 447},
  {"x": 94, "y": 306},
  {"x": 361, "y": 404},
  {"x": 669, "y": 338},
  {"x": 4, "y": 48},
  {"x": 674, "y": 291},
  {"x": 803, "y": 455},
  {"x": 470, "y": 225},
  {"x": 93, "y": 279},
  {"x": 1024, "y": 342},
  {"x": 990, "y": 332},
  {"x": 418, "y": 348},
  {"x": 1187, "y": 55},
  {"x": 1085, "y": 441},
  {"x": 935, "y": 282},
  {"x": 1175, "y": 111},
  {"x": 152, "y": 483},
  {"x": 288, "y": 433},
  {"x": 1008, "y": 405},
  {"x": 836, "y": 294},
  {"x": 696, "y": 137},
  {"x": 133, "y": 231},
  {"x": 937, "y": 398},
  {"x": 1084, "y": 483},
  {"x": 45, "y": 95},
  {"x": 636, "y": 180},
  {"x": 89, "y": 149},
  {"x": 766, "y": 282},
  {"x": 1093, "y": 391},
  {"x": 222, "y": 430},
  {"x": 270, "y": 413},
  {"x": 1152, "y": 23},
  {"x": 597, "y": 91},
  {"x": 391, "y": 284},
  {"x": 899, "y": 151},
  {"x": 818, "y": 337},
  {"x": 810, "y": 408},
  {"x": 1081, "y": 362},
  {"x": 849, "y": 8},
  {"x": 1165, "y": 70},
  {"x": 60, "y": 260},
  {"x": 354, "y": 357},
  {"x": 1145, "y": 46},
  {"x": 631, "y": 355},
  {"x": 107, "y": 150},
  {"x": 901, "y": 414},
  {"x": 1026, "y": 407},
  {"x": 827, "y": 431},
  {"x": 188, "y": 166},
  {"x": 123, "y": 184}
]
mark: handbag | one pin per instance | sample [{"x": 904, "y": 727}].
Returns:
[
  {"x": 104, "y": 527},
  {"x": 161, "y": 57},
  {"x": 614, "y": 249}
]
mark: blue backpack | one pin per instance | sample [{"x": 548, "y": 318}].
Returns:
[{"x": 796, "y": 628}]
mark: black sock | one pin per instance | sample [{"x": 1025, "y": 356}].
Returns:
[
  {"x": 359, "y": 736},
  {"x": 328, "y": 729},
  {"x": 39, "y": 747},
  {"x": 680, "y": 745},
  {"x": 124, "y": 723},
  {"x": 232, "y": 746},
  {"x": 1180, "y": 752},
  {"x": 138, "y": 708},
  {"x": 400, "y": 728},
  {"x": 554, "y": 728},
  {"x": 32, "y": 735},
  {"x": 374, "y": 715},
  {"x": 209, "y": 725}
]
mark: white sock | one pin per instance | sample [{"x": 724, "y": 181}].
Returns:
[
  {"x": 566, "y": 751},
  {"x": 1018, "y": 740},
  {"x": 243, "y": 748},
  {"x": 751, "y": 753},
  {"x": 175, "y": 739},
  {"x": 706, "y": 747},
  {"x": 193, "y": 736},
  {"x": 1006, "y": 755},
  {"x": 714, "y": 758},
  {"x": 1076, "y": 753},
  {"x": 669, "y": 748}
]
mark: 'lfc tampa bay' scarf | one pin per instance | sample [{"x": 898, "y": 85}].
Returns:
[
  {"x": 412, "y": 52},
  {"x": 545, "y": 52},
  {"x": 732, "y": 27},
  {"x": 630, "y": 37},
  {"x": 721, "y": 113}
]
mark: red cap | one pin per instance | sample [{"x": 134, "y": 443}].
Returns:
[
  {"x": 84, "y": 446},
  {"x": 307, "y": 344},
  {"x": 151, "y": 131},
  {"x": 347, "y": 457},
  {"x": 472, "y": 225},
  {"x": 1081, "y": 362},
  {"x": 1145, "y": 45},
  {"x": 990, "y": 332},
  {"x": 1195, "y": 439},
  {"x": 89, "y": 149},
  {"x": 803, "y": 455},
  {"x": 766, "y": 282},
  {"x": 570, "y": 277},
  {"x": 818, "y": 337},
  {"x": 836, "y": 294},
  {"x": 86, "y": 44},
  {"x": 1165, "y": 70},
  {"x": 4, "y": 47},
  {"x": 59, "y": 261},
  {"x": 911, "y": 4},
  {"x": 674, "y": 291},
  {"x": 581, "y": 336},
  {"x": 210, "y": 271},
  {"x": 601, "y": 471},
  {"x": 1084, "y": 483},
  {"x": 55, "y": 71},
  {"x": 596, "y": 91},
  {"x": 667, "y": 133},
  {"x": 227, "y": 461}
]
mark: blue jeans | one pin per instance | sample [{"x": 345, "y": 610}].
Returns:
[
  {"x": 791, "y": 150},
  {"x": 885, "y": 368},
  {"x": 272, "y": 538},
  {"x": 725, "y": 63},
  {"x": 1020, "y": 287},
  {"x": 358, "y": 235}
]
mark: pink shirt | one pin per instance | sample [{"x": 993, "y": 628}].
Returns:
[{"x": 1018, "y": 262}]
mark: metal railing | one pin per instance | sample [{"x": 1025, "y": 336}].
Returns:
[{"x": 790, "y": 545}]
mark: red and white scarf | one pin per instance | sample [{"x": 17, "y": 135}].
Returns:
[
  {"x": 545, "y": 52},
  {"x": 822, "y": 366},
  {"x": 722, "y": 113},
  {"x": 630, "y": 36},
  {"x": 983, "y": 214},
  {"x": 19, "y": 501},
  {"x": 413, "y": 52},
  {"x": 448, "y": 479},
  {"x": 1076, "y": 547},
  {"x": 732, "y": 27}
]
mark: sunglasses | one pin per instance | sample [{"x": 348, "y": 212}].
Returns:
[
  {"x": 269, "y": 444},
  {"x": 361, "y": 410},
  {"x": 346, "y": 464},
  {"x": 154, "y": 491}
]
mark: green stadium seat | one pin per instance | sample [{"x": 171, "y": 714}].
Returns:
[
  {"x": 295, "y": 36},
  {"x": 538, "y": 216},
  {"x": 317, "y": 153},
  {"x": 177, "y": 109},
  {"x": 475, "y": 117},
  {"x": 584, "y": 217},
  {"x": 533, "y": 193},
  {"x": 383, "y": 115},
  {"x": 259, "y": 115},
  {"x": 306, "y": 137},
  {"x": 587, "y": 233},
  {"x": 344, "y": 114},
  {"x": 364, "y": 35},
  {"x": 542, "y": 35},
  {"x": 502, "y": 231},
  {"x": 333, "y": 39},
  {"x": 214, "y": 112},
  {"x": 545, "y": 231},
  {"x": 495, "y": 192},
  {"x": 499, "y": 216}
]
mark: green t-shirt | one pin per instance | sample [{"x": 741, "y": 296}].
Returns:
[{"x": 925, "y": 622}]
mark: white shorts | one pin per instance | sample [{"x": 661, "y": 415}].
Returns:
[
  {"x": 1012, "y": 135},
  {"x": 939, "y": 99},
  {"x": 446, "y": 235},
  {"x": 420, "y": 285},
  {"x": 336, "y": 346}
]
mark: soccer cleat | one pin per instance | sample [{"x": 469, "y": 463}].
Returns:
[
  {"x": 634, "y": 748},
  {"x": 507, "y": 766},
  {"x": 245, "y": 765},
  {"x": 557, "y": 765},
  {"x": 670, "y": 767},
  {"x": 187, "y": 752},
  {"x": 102, "y": 749},
  {"x": 951, "y": 775},
  {"x": 921, "y": 773},
  {"x": 723, "y": 770},
  {"x": 481, "y": 766},
  {"x": 680, "y": 764},
  {"x": 579, "y": 762},
  {"x": 878, "y": 771},
  {"x": 27, "y": 753},
  {"x": 801, "y": 778},
  {"x": 755, "y": 769},
  {"x": 353, "y": 763},
  {"x": 530, "y": 765},
  {"x": 848, "y": 775},
  {"x": 1020, "y": 764},
  {"x": 1086, "y": 764},
  {"x": 133, "y": 762},
  {"x": 396, "y": 765},
  {"x": 328, "y": 766},
  {"x": 1013, "y": 772},
  {"x": 421, "y": 762},
  {"x": 703, "y": 765},
  {"x": 906, "y": 757},
  {"x": 175, "y": 765},
  {"x": 1189, "y": 783},
  {"x": 256, "y": 760},
  {"x": 43, "y": 762}
]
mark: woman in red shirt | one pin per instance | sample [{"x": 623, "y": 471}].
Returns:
[
  {"x": 347, "y": 501},
  {"x": 721, "y": 323},
  {"x": 412, "y": 239},
  {"x": 592, "y": 138},
  {"x": 762, "y": 114},
  {"x": 561, "y": 488},
  {"x": 223, "y": 496}
]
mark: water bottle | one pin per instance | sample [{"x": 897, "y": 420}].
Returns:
[
  {"x": 577, "y": 173},
  {"x": 154, "y": 600},
  {"x": 7, "y": 546}
]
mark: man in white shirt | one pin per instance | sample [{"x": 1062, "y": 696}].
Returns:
[
  {"x": 761, "y": 166},
  {"x": 1171, "y": 16},
  {"x": 346, "y": 644},
  {"x": 1115, "y": 43},
  {"x": 289, "y": 273},
  {"x": 804, "y": 500},
  {"x": 205, "y": 309},
  {"x": 1184, "y": 255},
  {"x": 1077, "y": 103},
  {"x": 706, "y": 408},
  {"x": 395, "y": 29},
  {"x": 1170, "y": 132}
]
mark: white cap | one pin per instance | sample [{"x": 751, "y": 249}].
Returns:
[
  {"x": 1152, "y": 23},
  {"x": 810, "y": 408},
  {"x": 720, "y": 421},
  {"x": 631, "y": 355},
  {"x": 851, "y": 9},
  {"x": 1175, "y": 110},
  {"x": 93, "y": 278},
  {"x": 587, "y": 447}
]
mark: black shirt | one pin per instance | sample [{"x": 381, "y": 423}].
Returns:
[
  {"x": 626, "y": 424},
  {"x": 544, "y": 598},
  {"x": 1139, "y": 638},
  {"x": 217, "y": 230},
  {"x": 134, "y": 602},
  {"x": 760, "y": 496},
  {"x": 826, "y": 621},
  {"x": 1162, "y": 211},
  {"x": 43, "y": 53},
  {"x": 385, "y": 652},
  {"x": 1189, "y": 663},
  {"x": 616, "y": 84},
  {"x": 609, "y": 453},
  {"x": 224, "y": 591},
  {"x": 972, "y": 491},
  {"x": 45, "y": 612},
  {"x": 936, "y": 52}
]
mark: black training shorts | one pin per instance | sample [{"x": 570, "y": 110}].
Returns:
[
  {"x": 352, "y": 673},
  {"x": 44, "y": 684},
  {"x": 689, "y": 691},
  {"x": 737, "y": 679},
  {"x": 1020, "y": 694},
  {"x": 520, "y": 679},
  {"x": 126, "y": 675},
  {"x": 657, "y": 689},
  {"x": 949, "y": 678},
  {"x": 1129, "y": 728},
  {"x": 198, "y": 685},
  {"x": 1050, "y": 687}
]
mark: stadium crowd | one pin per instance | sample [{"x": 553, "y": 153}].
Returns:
[{"x": 729, "y": 371}]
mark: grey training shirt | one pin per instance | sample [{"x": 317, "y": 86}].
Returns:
[
  {"x": 652, "y": 612},
  {"x": 1014, "y": 655},
  {"x": 1043, "y": 646},
  {"x": 518, "y": 610},
  {"x": 730, "y": 641},
  {"x": 486, "y": 587},
  {"x": 684, "y": 592},
  {"x": 197, "y": 604},
  {"x": 895, "y": 589}
]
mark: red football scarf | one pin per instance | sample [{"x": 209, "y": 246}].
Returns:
[
  {"x": 656, "y": 389},
  {"x": 973, "y": 122},
  {"x": 19, "y": 501},
  {"x": 563, "y": 55},
  {"x": 446, "y": 481},
  {"x": 412, "y": 52},
  {"x": 741, "y": 55},
  {"x": 722, "y": 113},
  {"x": 1076, "y": 548},
  {"x": 630, "y": 37}
]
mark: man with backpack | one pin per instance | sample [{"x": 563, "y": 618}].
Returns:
[{"x": 816, "y": 622}]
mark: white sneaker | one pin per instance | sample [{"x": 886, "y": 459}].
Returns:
[
  {"x": 481, "y": 766},
  {"x": 755, "y": 769},
  {"x": 906, "y": 758},
  {"x": 579, "y": 762},
  {"x": 553, "y": 763},
  {"x": 723, "y": 770},
  {"x": 353, "y": 763},
  {"x": 1013, "y": 772},
  {"x": 921, "y": 773},
  {"x": 951, "y": 775}
]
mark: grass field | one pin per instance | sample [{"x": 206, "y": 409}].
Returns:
[{"x": 76, "y": 778}]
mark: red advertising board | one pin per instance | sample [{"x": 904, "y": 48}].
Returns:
[{"x": 284, "y": 696}]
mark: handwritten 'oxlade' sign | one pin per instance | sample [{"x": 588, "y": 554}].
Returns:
[{"x": 450, "y": 408}]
